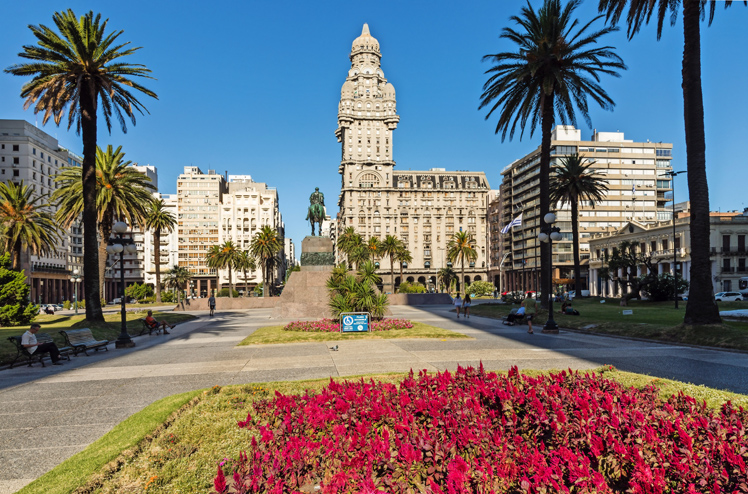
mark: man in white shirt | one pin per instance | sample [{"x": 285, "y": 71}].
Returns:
[{"x": 28, "y": 341}]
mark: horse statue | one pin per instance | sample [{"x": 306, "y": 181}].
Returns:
[{"x": 316, "y": 212}]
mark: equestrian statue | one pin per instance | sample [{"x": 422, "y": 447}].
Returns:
[{"x": 316, "y": 212}]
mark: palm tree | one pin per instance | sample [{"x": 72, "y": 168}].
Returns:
[
  {"x": 348, "y": 241},
  {"x": 446, "y": 275},
  {"x": 403, "y": 256},
  {"x": 265, "y": 245},
  {"x": 701, "y": 307},
  {"x": 24, "y": 222},
  {"x": 555, "y": 68},
  {"x": 227, "y": 259},
  {"x": 462, "y": 247},
  {"x": 122, "y": 193},
  {"x": 245, "y": 262},
  {"x": 359, "y": 254},
  {"x": 159, "y": 220},
  {"x": 367, "y": 274},
  {"x": 213, "y": 260},
  {"x": 72, "y": 71},
  {"x": 177, "y": 278},
  {"x": 572, "y": 182},
  {"x": 374, "y": 248},
  {"x": 390, "y": 247}
]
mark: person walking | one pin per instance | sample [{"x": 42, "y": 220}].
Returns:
[
  {"x": 458, "y": 303},
  {"x": 466, "y": 306},
  {"x": 212, "y": 304},
  {"x": 28, "y": 341},
  {"x": 530, "y": 306}
]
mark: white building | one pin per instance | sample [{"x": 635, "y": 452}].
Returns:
[{"x": 169, "y": 245}]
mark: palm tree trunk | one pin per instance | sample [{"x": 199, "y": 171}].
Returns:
[
  {"x": 701, "y": 307},
  {"x": 264, "y": 280},
  {"x": 88, "y": 171},
  {"x": 575, "y": 243},
  {"x": 157, "y": 253},
  {"x": 231, "y": 284},
  {"x": 546, "y": 125},
  {"x": 392, "y": 272},
  {"x": 462, "y": 277},
  {"x": 16, "y": 251},
  {"x": 105, "y": 231},
  {"x": 246, "y": 286},
  {"x": 401, "y": 273}
]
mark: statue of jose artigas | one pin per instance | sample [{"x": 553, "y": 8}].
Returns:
[{"x": 316, "y": 212}]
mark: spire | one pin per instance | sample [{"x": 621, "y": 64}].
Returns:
[{"x": 365, "y": 30}]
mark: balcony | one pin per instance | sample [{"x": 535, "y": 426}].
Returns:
[
  {"x": 729, "y": 251},
  {"x": 48, "y": 268}
]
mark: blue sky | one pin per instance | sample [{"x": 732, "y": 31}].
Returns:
[{"x": 253, "y": 87}]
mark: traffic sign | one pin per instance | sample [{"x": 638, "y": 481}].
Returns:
[{"x": 354, "y": 322}]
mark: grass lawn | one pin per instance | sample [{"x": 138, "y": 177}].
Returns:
[
  {"x": 107, "y": 331},
  {"x": 275, "y": 334},
  {"x": 182, "y": 456},
  {"x": 653, "y": 320}
]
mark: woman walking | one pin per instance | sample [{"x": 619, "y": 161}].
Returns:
[
  {"x": 458, "y": 303},
  {"x": 466, "y": 306}
]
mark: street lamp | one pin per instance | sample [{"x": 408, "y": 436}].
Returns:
[
  {"x": 118, "y": 245},
  {"x": 672, "y": 175},
  {"x": 549, "y": 233},
  {"x": 75, "y": 278}
]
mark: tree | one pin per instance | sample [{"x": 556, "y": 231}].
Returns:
[
  {"x": 122, "y": 194},
  {"x": 72, "y": 71},
  {"x": 461, "y": 247},
  {"x": 367, "y": 273},
  {"x": 446, "y": 276},
  {"x": 359, "y": 254},
  {"x": 701, "y": 307},
  {"x": 159, "y": 220},
  {"x": 661, "y": 288},
  {"x": 481, "y": 288},
  {"x": 138, "y": 291},
  {"x": 403, "y": 256},
  {"x": 554, "y": 69},
  {"x": 574, "y": 181},
  {"x": 348, "y": 241},
  {"x": 265, "y": 245},
  {"x": 245, "y": 262},
  {"x": 621, "y": 267},
  {"x": 227, "y": 259},
  {"x": 15, "y": 308},
  {"x": 390, "y": 247},
  {"x": 213, "y": 260},
  {"x": 25, "y": 223},
  {"x": 374, "y": 248},
  {"x": 177, "y": 278}
]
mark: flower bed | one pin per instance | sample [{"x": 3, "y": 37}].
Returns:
[
  {"x": 333, "y": 325},
  {"x": 474, "y": 431}
]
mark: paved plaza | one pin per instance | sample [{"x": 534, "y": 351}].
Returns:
[{"x": 49, "y": 414}]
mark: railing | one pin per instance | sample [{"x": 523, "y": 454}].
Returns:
[
  {"x": 740, "y": 251},
  {"x": 36, "y": 268}
]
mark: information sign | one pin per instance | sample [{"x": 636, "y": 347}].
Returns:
[{"x": 354, "y": 322}]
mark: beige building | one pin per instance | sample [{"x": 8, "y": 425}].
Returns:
[
  {"x": 670, "y": 252},
  {"x": 635, "y": 173},
  {"x": 169, "y": 244},
  {"x": 497, "y": 256},
  {"x": 422, "y": 208}
]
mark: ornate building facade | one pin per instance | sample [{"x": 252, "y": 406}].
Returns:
[{"x": 422, "y": 208}]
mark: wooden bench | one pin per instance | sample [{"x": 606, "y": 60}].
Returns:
[
  {"x": 149, "y": 329},
  {"x": 36, "y": 356},
  {"x": 83, "y": 340}
]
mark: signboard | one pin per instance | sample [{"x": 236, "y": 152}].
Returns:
[
  {"x": 354, "y": 322},
  {"x": 628, "y": 312}
]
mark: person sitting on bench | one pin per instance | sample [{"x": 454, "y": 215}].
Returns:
[
  {"x": 152, "y": 322},
  {"x": 28, "y": 340}
]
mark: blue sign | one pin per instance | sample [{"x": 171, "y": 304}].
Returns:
[{"x": 354, "y": 322}]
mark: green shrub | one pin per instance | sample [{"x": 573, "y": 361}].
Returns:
[
  {"x": 661, "y": 288},
  {"x": 351, "y": 294},
  {"x": 225, "y": 293},
  {"x": 407, "y": 287},
  {"x": 15, "y": 308},
  {"x": 66, "y": 304},
  {"x": 258, "y": 290},
  {"x": 167, "y": 297},
  {"x": 138, "y": 291},
  {"x": 480, "y": 289}
]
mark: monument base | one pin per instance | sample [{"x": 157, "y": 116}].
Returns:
[{"x": 305, "y": 295}]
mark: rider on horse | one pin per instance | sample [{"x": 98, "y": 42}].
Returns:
[{"x": 316, "y": 212}]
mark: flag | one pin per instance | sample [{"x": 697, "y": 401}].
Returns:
[
  {"x": 515, "y": 222},
  {"x": 633, "y": 189}
]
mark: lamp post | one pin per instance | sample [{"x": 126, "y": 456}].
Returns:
[
  {"x": 192, "y": 289},
  {"x": 549, "y": 233},
  {"x": 75, "y": 278},
  {"x": 672, "y": 175},
  {"x": 118, "y": 245}
]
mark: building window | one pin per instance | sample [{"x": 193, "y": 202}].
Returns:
[{"x": 15, "y": 147}]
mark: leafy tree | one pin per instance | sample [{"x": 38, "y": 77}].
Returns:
[
  {"x": 661, "y": 287},
  {"x": 158, "y": 219},
  {"x": 15, "y": 309},
  {"x": 556, "y": 66},
  {"x": 621, "y": 265},
  {"x": 72, "y": 71},
  {"x": 403, "y": 256},
  {"x": 411, "y": 288},
  {"x": 122, "y": 194},
  {"x": 701, "y": 307},
  {"x": 265, "y": 245},
  {"x": 224, "y": 292},
  {"x": 480, "y": 288},
  {"x": 24, "y": 222},
  {"x": 138, "y": 291},
  {"x": 446, "y": 276},
  {"x": 391, "y": 246},
  {"x": 575, "y": 181},
  {"x": 177, "y": 278},
  {"x": 461, "y": 247},
  {"x": 245, "y": 262}
]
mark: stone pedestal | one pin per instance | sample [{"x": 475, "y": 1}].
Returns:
[{"x": 316, "y": 254}]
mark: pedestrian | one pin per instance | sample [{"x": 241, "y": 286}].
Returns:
[
  {"x": 28, "y": 341},
  {"x": 530, "y": 308},
  {"x": 458, "y": 303},
  {"x": 466, "y": 305},
  {"x": 212, "y": 304}
]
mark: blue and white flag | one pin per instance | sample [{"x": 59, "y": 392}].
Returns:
[
  {"x": 633, "y": 189},
  {"x": 515, "y": 222}
]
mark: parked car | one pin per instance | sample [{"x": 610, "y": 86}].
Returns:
[{"x": 728, "y": 297}]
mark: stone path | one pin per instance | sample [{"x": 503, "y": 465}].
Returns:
[{"x": 95, "y": 393}]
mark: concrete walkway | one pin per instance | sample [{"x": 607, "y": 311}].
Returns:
[{"x": 92, "y": 394}]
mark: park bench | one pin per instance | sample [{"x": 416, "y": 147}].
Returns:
[
  {"x": 36, "y": 356},
  {"x": 83, "y": 340},
  {"x": 516, "y": 319},
  {"x": 149, "y": 329}
]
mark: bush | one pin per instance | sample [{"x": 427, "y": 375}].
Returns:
[
  {"x": 351, "y": 294},
  {"x": 480, "y": 289},
  {"x": 661, "y": 288},
  {"x": 168, "y": 297},
  {"x": 138, "y": 291},
  {"x": 258, "y": 290},
  {"x": 474, "y": 431},
  {"x": 224, "y": 292},
  {"x": 15, "y": 308},
  {"x": 407, "y": 287},
  {"x": 66, "y": 304}
]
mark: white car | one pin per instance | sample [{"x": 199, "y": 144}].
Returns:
[{"x": 728, "y": 297}]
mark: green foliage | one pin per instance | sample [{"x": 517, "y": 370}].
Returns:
[
  {"x": 15, "y": 309},
  {"x": 66, "y": 304},
  {"x": 167, "y": 297},
  {"x": 407, "y": 287},
  {"x": 351, "y": 294},
  {"x": 259, "y": 289},
  {"x": 661, "y": 287},
  {"x": 138, "y": 291},
  {"x": 224, "y": 292},
  {"x": 480, "y": 288},
  {"x": 367, "y": 273}
]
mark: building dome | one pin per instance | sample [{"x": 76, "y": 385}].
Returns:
[
  {"x": 389, "y": 91},
  {"x": 347, "y": 91},
  {"x": 365, "y": 42}
]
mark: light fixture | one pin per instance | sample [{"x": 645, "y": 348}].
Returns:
[
  {"x": 131, "y": 248},
  {"x": 555, "y": 236},
  {"x": 550, "y": 218},
  {"x": 543, "y": 237},
  {"x": 119, "y": 227}
]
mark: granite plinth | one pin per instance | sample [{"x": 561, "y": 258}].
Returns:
[
  {"x": 305, "y": 295},
  {"x": 316, "y": 244}
]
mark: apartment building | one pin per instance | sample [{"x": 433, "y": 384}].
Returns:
[
  {"x": 31, "y": 155},
  {"x": 496, "y": 256},
  {"x": 169, "y": 256},
  {"x": 422, "y": 208},
  {"x": 637, "y": 177}
]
